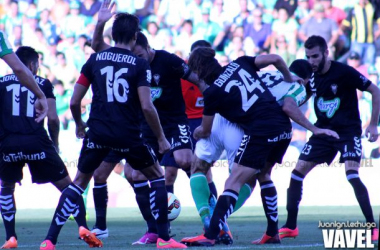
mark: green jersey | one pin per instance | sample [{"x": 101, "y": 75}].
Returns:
[{"x": 5, "y": 46}]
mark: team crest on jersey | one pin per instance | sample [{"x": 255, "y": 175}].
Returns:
[
  {"x": 328, "y": 107},
  {"x": 155, "y": 93},
  {"x": 334, "y": 88},
  {"x": 156, "y": 78}
]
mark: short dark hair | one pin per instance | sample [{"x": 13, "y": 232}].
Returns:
[
  {"x": 301, "y": 68},
  {"x": 142, "y": 40},
  {"x": 315, "y": 41},
  {"x": 124, "y": 28},
  {"x": 27, "y": 54},
  {"x": 200, "y": 43}
]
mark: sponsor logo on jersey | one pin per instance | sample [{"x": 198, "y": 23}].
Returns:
[
  {"x": 156, "y": 78},
  {"x": 155, "y": 93},
  {"x": 328, "y": 107},
  {"x": 283, "y": 136},
  {"x": 200, "y": 102},
  {"x": 149, "y": 75},
  {"x": 334, "y": 88}
]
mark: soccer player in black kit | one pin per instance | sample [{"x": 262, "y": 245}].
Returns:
[
  {"x": 120, "y": 84},
  {"x": 336, "y": 106},
  {"x": 167, "y": 70},
  {"x": 237, "y": 93},
  {"x": 25, "y": 141}
]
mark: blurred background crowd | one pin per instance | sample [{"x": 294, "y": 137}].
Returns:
[{"x": 61, "y": 31}]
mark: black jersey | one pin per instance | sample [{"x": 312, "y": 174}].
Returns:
[
  {"x": 167, "y": 71},
  {"x": 335, "y": 98},
  {"x": 115, "y": 75},
  {"x": 241, "y": 97},
  {"x": 17, "y": 106}
]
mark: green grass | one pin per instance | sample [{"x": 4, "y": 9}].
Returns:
[{"x": 126, "y": 225}]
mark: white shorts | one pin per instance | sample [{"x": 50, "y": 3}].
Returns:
[{"x": 225, "y": 135}]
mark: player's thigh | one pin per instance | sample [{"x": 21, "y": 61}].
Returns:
[
  {"x": 102, "y": 173},
  {"x": 350, "y": 148},
  {"x": 168, "y": 160},
  {"x": 11, "y": 172},
  {"x": 183, "y": 158},
  {"x": 91, "y": 156},
  {"x": 318, "y": 150},
  {"x": 170, "y": 175},
  {"x": 49, "y": 167},
  {"x": 209, "y": 149}
]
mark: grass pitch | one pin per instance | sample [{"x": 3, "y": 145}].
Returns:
[{"x": 126, "y": 225}]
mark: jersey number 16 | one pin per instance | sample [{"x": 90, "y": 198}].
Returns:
[{"x": 114, "y": 82}]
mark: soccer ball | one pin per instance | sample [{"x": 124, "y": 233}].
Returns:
[{"x": 174, "y": 207}]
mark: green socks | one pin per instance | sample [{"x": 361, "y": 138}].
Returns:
[
  {"x": 201, "y": 194},
  {"x": 245, "y": 192}
]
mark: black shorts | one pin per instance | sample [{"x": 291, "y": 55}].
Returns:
[
  {"x": 323, "y": 149},
  {"x": 91, "y": 155},
  {"x": 113, "y": 157},
  {"x": 179, "y": 138},
  {"x": 38, "y": 152},
  {"x": 255, "y": 151}
]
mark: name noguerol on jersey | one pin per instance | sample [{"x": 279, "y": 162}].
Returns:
[
  {"x": 116, "y": 57},
  {"x": 12, "y": 77},
  {"x": 329, "y": 107},
  {"x": 20, "y": 156}
]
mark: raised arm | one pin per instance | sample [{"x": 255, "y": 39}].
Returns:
[
  {"x": 263, "y": 61},
  {"x": 105, "y": 13}
]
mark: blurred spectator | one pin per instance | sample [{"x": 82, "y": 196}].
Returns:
[
  {"x": 43, "y": 70},
  {"x": 258, "y": 31},
  {"x": 59, "y": 11},
  {"x": 50, "y": 56},
  {"x": 268, "y": 7},
  {"x": 287, "y": 27},
  {"x": 194, "y": 11},
  {"x": 335, "y": 13},
  {"x": 373, "y": 75},
  {"x": 354, "y": 60},
  {"x": 289, "y": 5},
  {"x": 360, "y": 21},
  {"x": 234, "y": 48},
  {"x": 89, "y": 7},
  {"x": 16, "y": 36},
  {"x": 218, "y": 15},
  {"x": 222, "y": 59},
  {"x": 11, "y": 19},
  {"x": 62, "y": 97},
  {"x": 29, "y": 27},
  {"x": 281, "y": 49},
  {"x": 321, "y": 26},
  {"x": 171, "y": 13},
  {"x": 185, "y": 38},
  {"x": 244, "y": 15},
  {"x": 302, "y": 13},
  {"x": 64, "y": 71},
  {"x": 48, "y": 27},
  {"x": 74, "y": 23},
  {"x": 206, "y": 29}
]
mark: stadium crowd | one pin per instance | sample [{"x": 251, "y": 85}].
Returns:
[{"x": 61, "y": 30}]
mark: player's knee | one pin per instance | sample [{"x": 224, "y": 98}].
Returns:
[
  {"x": 100, "y": 177},
  {"x": 170, "y": 175},
  {"x": 263, "y": 177},
  {"x": 138, "y": 176}
]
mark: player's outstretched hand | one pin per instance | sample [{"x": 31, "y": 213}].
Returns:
[
  {"x": 163, "y": 146},
  {"x": 371, "y": 133},
  {"x": 105, "y": 12},
  {"x": 41, "y": 108},
  {"x": 81, "y": 130},
  {"x": 327, "y": 132}
]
